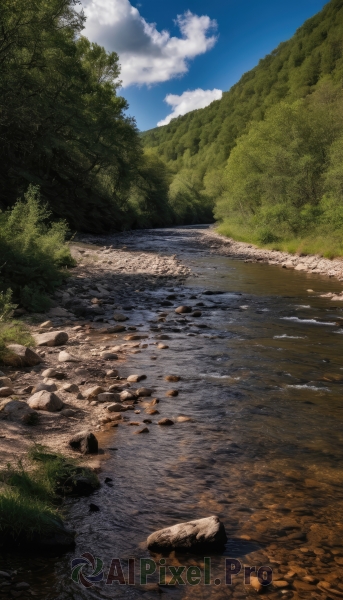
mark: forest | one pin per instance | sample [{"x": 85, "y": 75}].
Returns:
[{"x": 268, "y": 156}]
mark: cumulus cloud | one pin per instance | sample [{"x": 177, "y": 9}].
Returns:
[
  {"x": 147, "y": 55},
  {"x": 189, "y": 101}
]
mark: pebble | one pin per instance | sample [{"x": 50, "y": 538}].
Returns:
[
  {"x": 142, "y": 430},
  {"x": 183, "y": 309},
  {"x": 71, "y": 388},
  {"x": 112, "y": 373},
  {"x": 5, "y": 392},
  {"x": 144, "y": 392},
  {"x": 172, "y": 378},
  {"x": 66, "y": 357},
  {"x": 161, "y": 346},
  {"x": 172, "y": 393},
  {"x": 108, "y": 356},
  {"x": 136, "y": 378},
  {"x": 166, "y": 422}
]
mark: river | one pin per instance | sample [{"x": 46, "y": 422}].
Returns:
[{"x": 263, "y": 446}]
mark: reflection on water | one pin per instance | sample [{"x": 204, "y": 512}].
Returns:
[{"x": 263, "y": 450}]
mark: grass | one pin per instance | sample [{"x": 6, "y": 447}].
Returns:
[
  {"x": 31, "y": 496},
  {"x": 327, "y": 244},
  {"x": 14, "y": 332}
]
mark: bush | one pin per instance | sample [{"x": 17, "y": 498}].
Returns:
[{"x": 34, "y": 255}]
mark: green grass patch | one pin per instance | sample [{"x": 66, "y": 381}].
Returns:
[
  {"x": 327, "y": 244},
  {"x": 14, "y": 332},
  {"x": 31, "y": 494}
]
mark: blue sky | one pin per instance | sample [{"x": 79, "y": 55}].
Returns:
[{"x": 207, "y": 50}]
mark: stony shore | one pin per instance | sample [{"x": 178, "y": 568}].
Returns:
[{"x": 250, "y": 253}]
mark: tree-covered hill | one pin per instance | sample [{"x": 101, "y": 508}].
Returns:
[
  {"x": 305, "y": 73},
  {"x": 205, "y": 137}
]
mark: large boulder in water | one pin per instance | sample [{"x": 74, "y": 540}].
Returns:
[{"x": 201, "y": 535}]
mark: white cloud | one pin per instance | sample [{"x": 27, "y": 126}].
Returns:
[
  {"x": 189, "y": 101},
  {"x": 147, "y": 55}
]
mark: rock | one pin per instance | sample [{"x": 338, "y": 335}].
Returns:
[
  {"x": 49, "y": 373},
  {"x": 81, "y": 484},
  {"x": 46, "y": 324},
  {"x": 172, "y": 393},
  {"x": 203, "y": 534},
  {"x": 28, "y": 389},
  {"x": 93, "y": 392},
  {"x": 136, "y": 378},
  {"x": 135, "y": 337},
  {"x": 183, "y": 419},
  {"x": 48, "y": 387},
  {"x": 108, "y": 355},
  {"x": 52, "y": 338},
  {"x": 94, "y": 507},
  {"x": 197, "y": 313},
  {"x": 183, "y": 309},
  {"x": 116, "y": 329},
  {"x": 68, "y": 412},
  {"x": 71, "y": 388},
  {"x": 66, "y": 357},
  {"x": 20, "y": 356},
  {"x": 45, "y": 401},
  {"x": 120, "y": 317},
  {"x": 85, "y": 442},
  {"x": 116, "y": 407},
  {"x": 17, "y": 409},
  {"x": 108, "y": 397},
  {"x": 6, "y": 391},
  {"x": 112, "y": 373},
  {"x": 172, "y": 378},
  {"x": 127, "y": 395},
  {"x": 5, "y": 382},
  {"x": 166, "y": 422},
  {"x": 142, "y": 430},
  {"x": 152, "y": 411},
  {"x": 161, "y": 346},
  {"x": 144, "y": 392}
]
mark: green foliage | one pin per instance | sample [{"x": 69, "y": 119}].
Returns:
[
  {"x": 284, "y": 177},
  {"x": 269, "y": 155},
  {"x": 30, "y": 495},
  {"x": 33, "y": 252},
  {"x": 62, "y": 125}
]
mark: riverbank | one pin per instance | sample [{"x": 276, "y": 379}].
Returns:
[{"x": 315, "y": 264}]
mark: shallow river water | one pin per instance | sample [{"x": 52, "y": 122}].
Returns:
[{"x": 262, "y": 384}]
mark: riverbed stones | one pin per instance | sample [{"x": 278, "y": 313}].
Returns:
[
  {"x": 142, "y": 430},
  {"x": 116, "y": 329},
  {"x": 120, "y": 317},
  {"x": 53, "y": 374},
  {"x": 5, "y": 382},
  {"x": 6, "y": 391},
  {"x": 85, "y": 442},
  {"x": 106, "y": 355},
  {"x": 136, "y": 378},
  {"x": 71, "y": 388},
  {"x": 49, "y": 386},
  {"x": 66, "y": 357},
  {"x": 52, "y": 338},
  {"x": 116, "y": 407},
  {"x": 162, "y": 346},
  {"x": 172, "y": 378},
  {"x": 180, "y": 310},
  {"x": 203, "y": 534},
  {"x": 172, "y": 393},
  {"x": 93, "y": 392},
  {"x": 144, "y": 392},
  {"x": 166, "y": 422},
  {"x": 20, "y": 356},
  {"x": 112, "y": 373},
  {"x": 108, "y": 397},
  {"x": 47, "y": 401}
]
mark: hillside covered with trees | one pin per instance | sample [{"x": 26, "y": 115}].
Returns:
[{"x": 268, "y": 155}]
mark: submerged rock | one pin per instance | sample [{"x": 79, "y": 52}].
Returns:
[{"x": 203, "y": 534}]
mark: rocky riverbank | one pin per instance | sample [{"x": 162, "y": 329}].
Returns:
[{"x": 250, "y": 253}]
